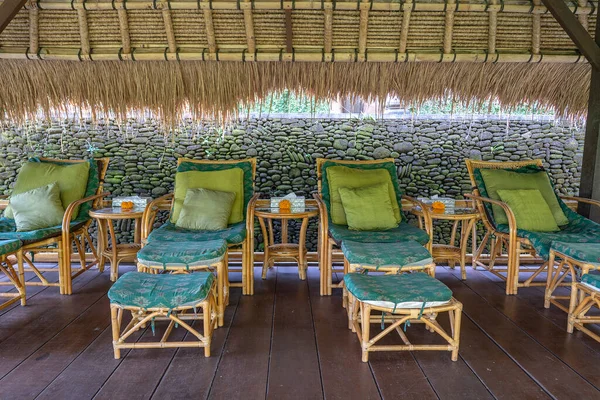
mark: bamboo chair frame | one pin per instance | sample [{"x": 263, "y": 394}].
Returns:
[
  {"x": 220, "y": 268},
  {"x": 359, "y": 312},
  {"x": 516, "y": 247},
  {"x": 69, "y": 240},
  {"x": 141, "y": 317},
  {"x": 164, "y": 203},
  {"x": 15, "y": 278},
  {"x": 588, "y": 297},
  {"x": 328, "y": 248}
]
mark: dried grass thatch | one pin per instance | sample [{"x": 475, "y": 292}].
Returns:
[{"x": 217, "y": 89}]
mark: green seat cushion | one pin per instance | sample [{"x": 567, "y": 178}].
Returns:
[
  {"x": 592, "y": 279},
  {"x": 368, "y": 208},
  {"x": 531, "y": 211},
  {"x": 72, "y": 180},
  {"x": 9, "y": 246},
  {"x": 233, "y": 234},
  {"x": 400, "y": 254},
  {"x": 414, "y": 290},
  {"x": 337, "y": 176},
  {"x": 205, "y": 209},
  {"x": 184, "y": 254},
  {"x": 8, "y": 230},
  {"x": 528, "y": 178},
  {"x": 37, "y": 208},
  {"x": 403, "y": 232},
  {"x": 588, "y": 253},
  {"x": 168, "y": 291}
]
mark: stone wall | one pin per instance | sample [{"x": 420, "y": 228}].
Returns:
[{"x": 429, "y": 152}]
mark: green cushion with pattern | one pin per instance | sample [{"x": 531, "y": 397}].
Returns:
[
  {"x": 531, "y": 211},
  {"x": 583, "y": 252},
  {"x": 405, "y": 291},
  {"x": 357, "y": 175},
  {"x": 401, "y": 254},
  {"x": 8, "y": 230},
  {"x": 368, "y": 208},
  {"x": 402, "y": 233},
  {"x": 592, "y": 279},
  {"x": 167, "y": 291},
  {"x": 185, "y": 254},
  {"x": 9, "y": 246},
  {"x": 169, "y": 232}
]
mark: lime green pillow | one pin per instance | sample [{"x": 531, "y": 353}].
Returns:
[
  {"x": 532, "y": 213},
  {"x": 353, "y": 178},
  {"x": 368, "y": 208},
  {"x": 37, "y": 208},
  {"x": 498, "y": 179},
  {"x": 228, "y": 180},
  {"x": 71, "y": 180},
  {"x": 205, "y": 209}
]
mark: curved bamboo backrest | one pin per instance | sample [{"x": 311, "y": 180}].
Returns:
[
  {"x": 321, "y": 161},
  {"x": 472, "y": 165},
  {"x": 252, "y": 162}
]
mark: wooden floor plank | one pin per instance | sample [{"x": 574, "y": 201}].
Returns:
[
  {"x": 343, "y": 374},
  {"x": 190, "y": 365},
  {"x": 244, "y": 366},
  {"x": 570, "y": 349},
  {"x": 48, "y": 313},
  {"x": 294, "y": 367},
  {"x": 548, "y": 370}
]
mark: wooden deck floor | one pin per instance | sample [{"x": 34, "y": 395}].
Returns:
[{"x": 287, "y": 342}]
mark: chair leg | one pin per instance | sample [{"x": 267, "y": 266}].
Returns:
[
  {"x": 456, "y": 332},
  {"x": 206, "y": 315},
  {"x": 21, "y": 278},
  {"x": 116, "y": 328},
  {"x": 220, "y": 293},
  {"x": 365, "y": 326},
  {"x": 550, "y": 275}
]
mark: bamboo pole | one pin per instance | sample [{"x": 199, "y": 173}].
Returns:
[
  {"x": 168, "y": 21},
  {"x": 449, "y": 26},
  {"x": 309, "y": 5},
  {"x": 328, "y": 31},
  {"x": 210, "y": 30},
  {"x": 199, "y": 54},
  {"x": 34, "y": 34},
  {"x": 124, "y": 29},
  {"x": 83, "y": 33},
  {"x": 408, "y": 5},
  {"x": 493, "y": 28},
  {"x": 536, "y": 30},
  {"x": 584, "y": 18},
  {"x": 362, "y": 32},
  {"x": 250, "y": 38}
]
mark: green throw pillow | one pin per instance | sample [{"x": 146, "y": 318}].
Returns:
[
  {"x": 37, "y": 208},
  {"x": 71, "y": 180},
  {"x": 345, "y": 177},
  {"x": 499, "y": 179},
  {"x": 532, "y": 213},
  {"x": 228, "y": 180},
  {"x": 368, "y": 208},
  {"x": 207, "y": 210}
]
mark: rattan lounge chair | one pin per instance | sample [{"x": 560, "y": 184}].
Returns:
[
  {"x": 239, "y": 236},
  {"x": 506, "y": 241},
  {"x": 63, "y": 239},
  {"x": 331, "y": 235}
]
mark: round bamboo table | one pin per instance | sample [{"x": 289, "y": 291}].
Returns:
[
  {"x": 116, "y": 252},
  {"x": 467, "y": 217},
  {"x": 284, "y": 250}
]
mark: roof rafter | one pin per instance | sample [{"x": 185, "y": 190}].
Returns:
[
  {"x": 8, "y": 10},
  {"x": 576, "y": 31}
]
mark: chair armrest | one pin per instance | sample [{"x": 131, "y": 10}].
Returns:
[
  {"x": 592, "y": 202},
  {"x": 66, "y": 224},
  {"x": 323, "y": 216},
  {"x": 426, "y": 214},
  {"x": 512, "y": 222},
  {"x": 3, "y": 201},
  {"x": 149, "y": 215}
]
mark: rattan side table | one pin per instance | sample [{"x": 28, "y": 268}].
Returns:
[{"x": 116, "y": 252}]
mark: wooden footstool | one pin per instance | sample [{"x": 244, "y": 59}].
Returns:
[
  {"x": 402, "y": 299},
  {"x": 185, "y": 257},
  {"x": 176, "y": 298},
  {"x": 588, "y": 293},
  {"x": 16, "y": 279}
]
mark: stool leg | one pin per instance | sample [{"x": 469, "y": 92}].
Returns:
[
  {"x": 21, "y": 277},
  {"x": 206, "y": 316},
  {"x": 220, "y": 293},
  {"x": 456, "y": 333},
  {"x": 115, "y": 330},
  {"x": 365, "y": 325}
]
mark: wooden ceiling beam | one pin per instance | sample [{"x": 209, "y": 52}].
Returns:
[
  {"x": 8, "y": 10},
  {"x": 578, "y": 34}
]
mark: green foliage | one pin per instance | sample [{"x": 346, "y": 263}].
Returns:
[
  {"x": 489, "y": 107},
  {"x": 287, "y": 102}
]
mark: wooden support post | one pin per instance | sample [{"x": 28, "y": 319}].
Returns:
[
  {"x": 590, "y": 172},
  {"x": 8, "y": 10}
]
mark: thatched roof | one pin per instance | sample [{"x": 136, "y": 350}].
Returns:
[{"x": 512, "y": 50}]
